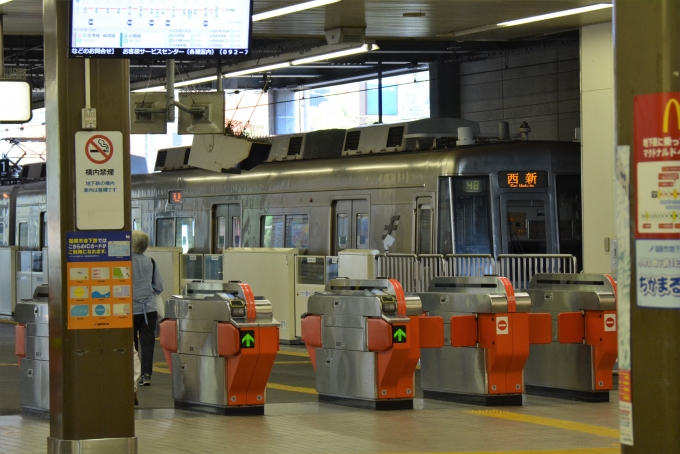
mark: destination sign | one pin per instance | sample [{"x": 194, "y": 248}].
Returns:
[{"x": 523, "y": 180}]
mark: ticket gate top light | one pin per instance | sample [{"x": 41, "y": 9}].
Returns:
[{"x": 484, "y": 294}]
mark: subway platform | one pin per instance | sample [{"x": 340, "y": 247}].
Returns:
[{"x": 295, "y": 422}]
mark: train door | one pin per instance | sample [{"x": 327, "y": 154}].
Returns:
[
  {"x": 424, "y": 217},
  {"x": 527, "y": 226},
  {"x": 226, "y": 227},
  {"x": 350, "y": 225}
]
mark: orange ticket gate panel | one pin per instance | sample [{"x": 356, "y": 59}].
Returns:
[
  {"x": 578, "y": 363},
  {"x": 222, "y": 349},
  {"x": 487, "y": 332},
  {"x": 363, "y": 337}
]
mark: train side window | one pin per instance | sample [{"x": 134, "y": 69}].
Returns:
[
  {"x": 136, "y": 224},
  {"x": 297, "y": 231},
  {"x": 23, "y": 236},
  {"x": 220, "y": 233},
  {"x": 424, "y": 225},
  {"x": 184, "y": 234},
  {"x": 236, "y": 231},
  {"x": 2, "y": 233},
  {"x": 43, "y": 230},
  {"x": 471, "y": 215},
  {"x": 272, "y": 233},
  {"x": 362, "y": 231},
  {"x": 343, "y": 231},
  {"x": 165, "y": 232}
]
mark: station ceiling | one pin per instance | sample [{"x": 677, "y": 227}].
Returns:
[{"x": 410, "y": 33}]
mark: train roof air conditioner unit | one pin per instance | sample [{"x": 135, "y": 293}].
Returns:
[
  {"x": 172, "y": 159},
  {"x": 34, "y": 172}
]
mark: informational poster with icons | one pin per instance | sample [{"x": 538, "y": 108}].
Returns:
[{"x": 99, "y": 271}]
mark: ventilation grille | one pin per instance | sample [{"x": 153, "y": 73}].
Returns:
[
  {"x": 395, "y": 137},
  {"x": 187, "y": 153},
  {"x": 295, "y": 146},
  {"x": 352, "y": 140},
  {"x": 160, "y": 158}
]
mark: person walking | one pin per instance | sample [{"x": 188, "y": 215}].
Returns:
[{"x": 146, "y": 284}]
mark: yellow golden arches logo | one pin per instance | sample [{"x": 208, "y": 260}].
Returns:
[{"x": 667, "y": 113}]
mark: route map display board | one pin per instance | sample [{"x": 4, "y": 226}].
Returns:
[
  {"x": 100, "y": 198},
  {"x": 99, "y": 273},
  {"x": 160, "y": 29},
  {"x": 657, "y": 183}
]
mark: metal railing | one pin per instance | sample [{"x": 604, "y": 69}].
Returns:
[
  {"x": 403, "y": 267},
  {"x": 415, "y": 272},
  {"x": 520, "y": 268},
  {"x": 470, "y": 264}
]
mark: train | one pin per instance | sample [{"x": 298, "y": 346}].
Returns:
[{"x": 413, "y": 187}]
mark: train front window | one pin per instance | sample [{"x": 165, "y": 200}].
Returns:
[
  {"x": 297, "y": 231},
  {"x": 471, "y": 215},
  {"x": 445, "y": 235},
  {"x": 569, "y": 215},
  {"x": 525, "y": 222},
  {"x": 165, "y": 232},
  {"x": 184, "y": 234},
  {"x": 362, "y": 231}
]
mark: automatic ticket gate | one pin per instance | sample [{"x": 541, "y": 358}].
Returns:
[
  {"x": 578, "y": 363},
  {"x": 32, "y": 348},
  {"x": 220, "y": 345},
  {"x": 487, "y": 331},
  {"x": 363, "y": 339}
]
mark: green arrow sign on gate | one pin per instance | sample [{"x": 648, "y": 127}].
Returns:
[
  {"x": 398, "y": 334},
  {"x": 248, "y": 339}
]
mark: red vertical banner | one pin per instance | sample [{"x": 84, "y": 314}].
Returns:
[{"x": 657, "y": 164}]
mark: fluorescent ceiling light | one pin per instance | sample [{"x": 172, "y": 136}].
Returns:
[
  {"x": 341, "y": 53},
  {"x": 291, "y": 9},
  {"x": 4, "y": 1},
  {"x": 195, "y": 81},
  {"x": 568, "y": 12},
  {"x": 259, "y": 69}
]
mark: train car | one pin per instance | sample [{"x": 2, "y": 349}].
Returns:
[{"x": 521, "y": 197}]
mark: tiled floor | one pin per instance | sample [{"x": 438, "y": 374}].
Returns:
[{"x": 542, "y": 426}]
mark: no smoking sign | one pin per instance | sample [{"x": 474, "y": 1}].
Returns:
[
  {"x": 99, "y": 149},
  {"x": 100, "y": 180}
]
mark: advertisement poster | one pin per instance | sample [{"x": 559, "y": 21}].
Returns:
[{"x": 99, "y": 272}]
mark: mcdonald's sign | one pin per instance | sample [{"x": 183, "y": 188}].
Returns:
[
  {"x": 672, "y": 103},
  {"x": 657, "y": 165}
]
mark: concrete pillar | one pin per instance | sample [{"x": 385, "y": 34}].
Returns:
[
  {"x": 282, "y": 112},
  {"x": 91, "y": 384},
  {"x": 444, "y": 90},
  {"x": 647, "y": 61},
  {"x": 597, "y": 146}
]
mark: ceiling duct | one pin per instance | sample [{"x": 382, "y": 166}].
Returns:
[{"x": 346, "y": 35}]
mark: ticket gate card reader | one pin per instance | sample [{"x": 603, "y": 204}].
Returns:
[
  {"x": 578, "y": 363},
  {"x": 222, "y": 349},
  {"x": 487, "y": 331},
  {"x": 362, "y": 337},
  {"x": 32, "y": 349}
]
